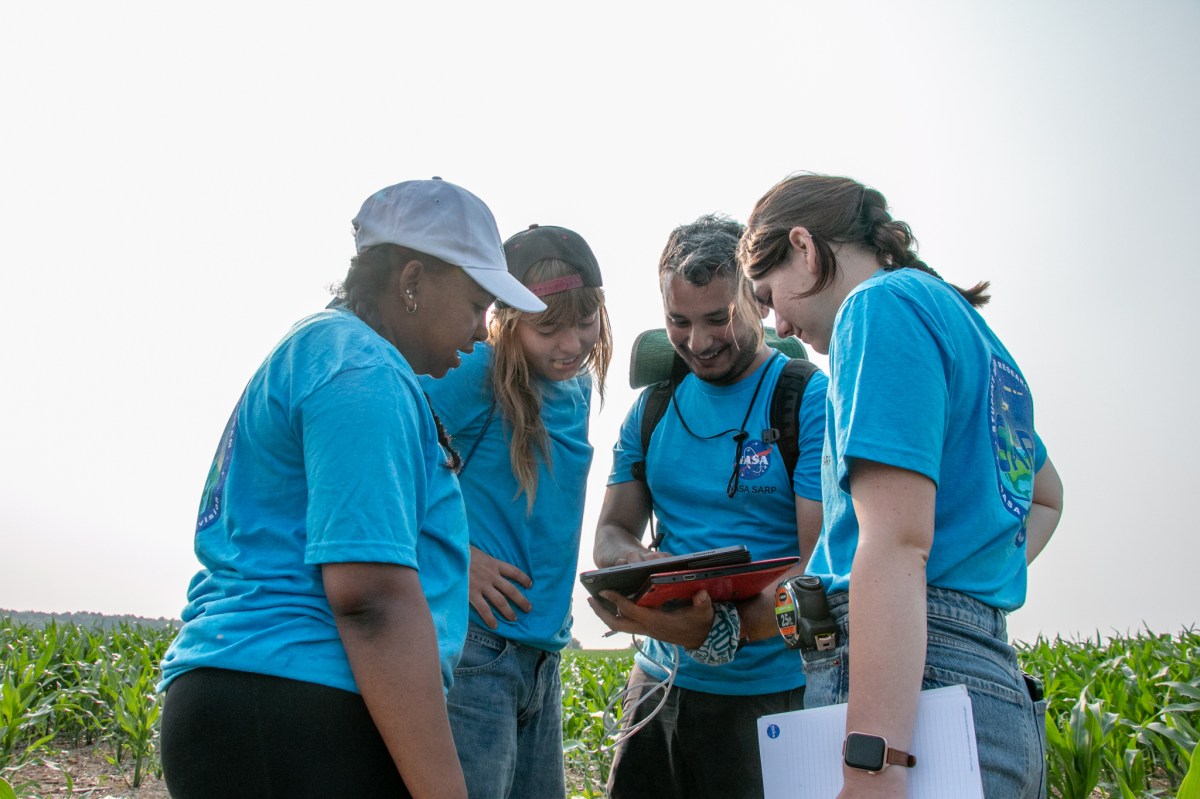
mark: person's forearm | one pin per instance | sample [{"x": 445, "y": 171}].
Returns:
[
  {"x": 757, "y": 614},
  {"x": 1045, "y": 511},
  {"x": 1040, "y": 525},
  {"x": 393, "y": 654},
  {"x": 888, "y": 626},
  {"x": 623, "y": 517},
  {"x": 615, "y": 544}
]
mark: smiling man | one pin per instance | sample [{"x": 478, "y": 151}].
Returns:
[{"x": 714, "y": 479}]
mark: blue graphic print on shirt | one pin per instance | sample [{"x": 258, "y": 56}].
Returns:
[
  {"x": 754, "y": 460},
  {"x": 1011, "y": 411}
]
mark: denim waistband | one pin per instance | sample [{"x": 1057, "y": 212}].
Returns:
[
  {"x": 482, "y": 635},
  {"x": 942, "y": 603}
]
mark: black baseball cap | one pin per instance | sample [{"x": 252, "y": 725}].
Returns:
[{"x": 540, "y": 242}]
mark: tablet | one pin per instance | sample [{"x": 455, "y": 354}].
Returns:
[
  {"x": 628, "y": 578},
  {"x": 723, "y": 583}
]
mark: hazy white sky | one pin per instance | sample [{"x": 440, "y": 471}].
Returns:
[{"x": 176, "y": 186}]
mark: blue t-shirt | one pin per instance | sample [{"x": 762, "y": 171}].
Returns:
[
  {"x": 688, "y": 476},
  {"x": 543, "y": 541},
  {"x": 919, "y": 381},
  {"x": 330, "y": 456}
]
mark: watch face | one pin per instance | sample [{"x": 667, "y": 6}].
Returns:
[{"x": 865, "y": 751}]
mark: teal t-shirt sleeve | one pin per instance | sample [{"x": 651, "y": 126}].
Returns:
[
  {"x": 628, "y": 449},
  {"x": 365, "y": 464},
  {"x": 462, "y": 397},
  {"x": 891, "y": 397},
  {"x": 806, "y": 480}
]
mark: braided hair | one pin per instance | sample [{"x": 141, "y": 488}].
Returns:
[{"x": 835, "y": 210}]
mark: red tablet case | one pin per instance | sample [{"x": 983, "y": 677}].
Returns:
[{"x": 723, "y": 583}]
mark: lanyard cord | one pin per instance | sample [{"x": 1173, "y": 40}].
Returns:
[
  {"x": 486, "y": 424},
  {"x": 739, "y": 434}
]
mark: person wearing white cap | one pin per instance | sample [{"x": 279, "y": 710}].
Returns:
[
  {"x": 321, "y": 633},
  {"x": 519, "y": 407}
]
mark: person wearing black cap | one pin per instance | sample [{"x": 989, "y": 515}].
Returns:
[
  {"x": 518, "y": 410},
  {"x": 321, "y": 633}
]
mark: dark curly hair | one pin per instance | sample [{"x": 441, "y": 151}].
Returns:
[
  {"x": 366, "y": 281},
  {"x": 368, "y": 277},
  {"x": 705, "y": 249}
]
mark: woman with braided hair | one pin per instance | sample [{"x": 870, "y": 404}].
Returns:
[{"x": 937, "y": 490}]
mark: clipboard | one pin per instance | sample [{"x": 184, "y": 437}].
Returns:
[{"x": 801, "y": 751}]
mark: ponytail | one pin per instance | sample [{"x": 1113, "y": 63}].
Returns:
[{"x": 834, "y": 210}]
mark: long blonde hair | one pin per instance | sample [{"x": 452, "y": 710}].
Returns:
[{"x": 516, "y": 395}]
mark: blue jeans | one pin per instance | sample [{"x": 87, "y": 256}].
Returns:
[
  {"x": 967, "y": 645},
  {"x": 506, "y": 715}
]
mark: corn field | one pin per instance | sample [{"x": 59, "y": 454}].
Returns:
[{"x": 1123, "y": 719}]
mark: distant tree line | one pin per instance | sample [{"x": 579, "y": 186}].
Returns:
[{"x": 34, "y": 618}]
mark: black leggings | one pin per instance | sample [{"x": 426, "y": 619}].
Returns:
[{"x": 232, "y": 734}]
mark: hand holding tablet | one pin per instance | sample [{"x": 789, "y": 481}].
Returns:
[
  {"x": 723, "y": 583},
  {"x": 727, "y": 574}
]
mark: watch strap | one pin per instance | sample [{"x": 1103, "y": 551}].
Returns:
[{"x": 898, "y": 757}]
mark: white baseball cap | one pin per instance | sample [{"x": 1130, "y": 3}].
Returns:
[{"x": 448, "y": 222}]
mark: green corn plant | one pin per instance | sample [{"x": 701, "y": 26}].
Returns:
[
  {"x": 1127, "y": 768},
  {"x": 1123, "y": 716},
  {"x": 137, "y": 714},
  {"x": 1077, "y": 752},
  {"x": 1150, "y": 682},
  {"x": 1190, "y": 787},
  {"x": 23, "y": 706},
  {"x": 590, "y": 682}
]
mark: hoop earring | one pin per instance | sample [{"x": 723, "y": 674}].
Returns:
[{"x": 412, "y": 300}]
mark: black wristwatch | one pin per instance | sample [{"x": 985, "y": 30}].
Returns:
[
  {"x": 872, "y": 753},
  {"x": 802, "y": 614}
]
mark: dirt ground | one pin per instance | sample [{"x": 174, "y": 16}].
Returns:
[
  {"x": 85, "y": 773},
  {"x": 95, "y": 778}
]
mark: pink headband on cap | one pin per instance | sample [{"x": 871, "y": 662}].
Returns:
[{"x": 556, "y": 285}]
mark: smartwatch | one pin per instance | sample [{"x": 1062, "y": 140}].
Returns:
[{"x": 871, "y": 753}]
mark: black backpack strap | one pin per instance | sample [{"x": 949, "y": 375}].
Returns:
[
  {"x": 785, "y": 409},
  {"x": 658, "y": 398}
]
